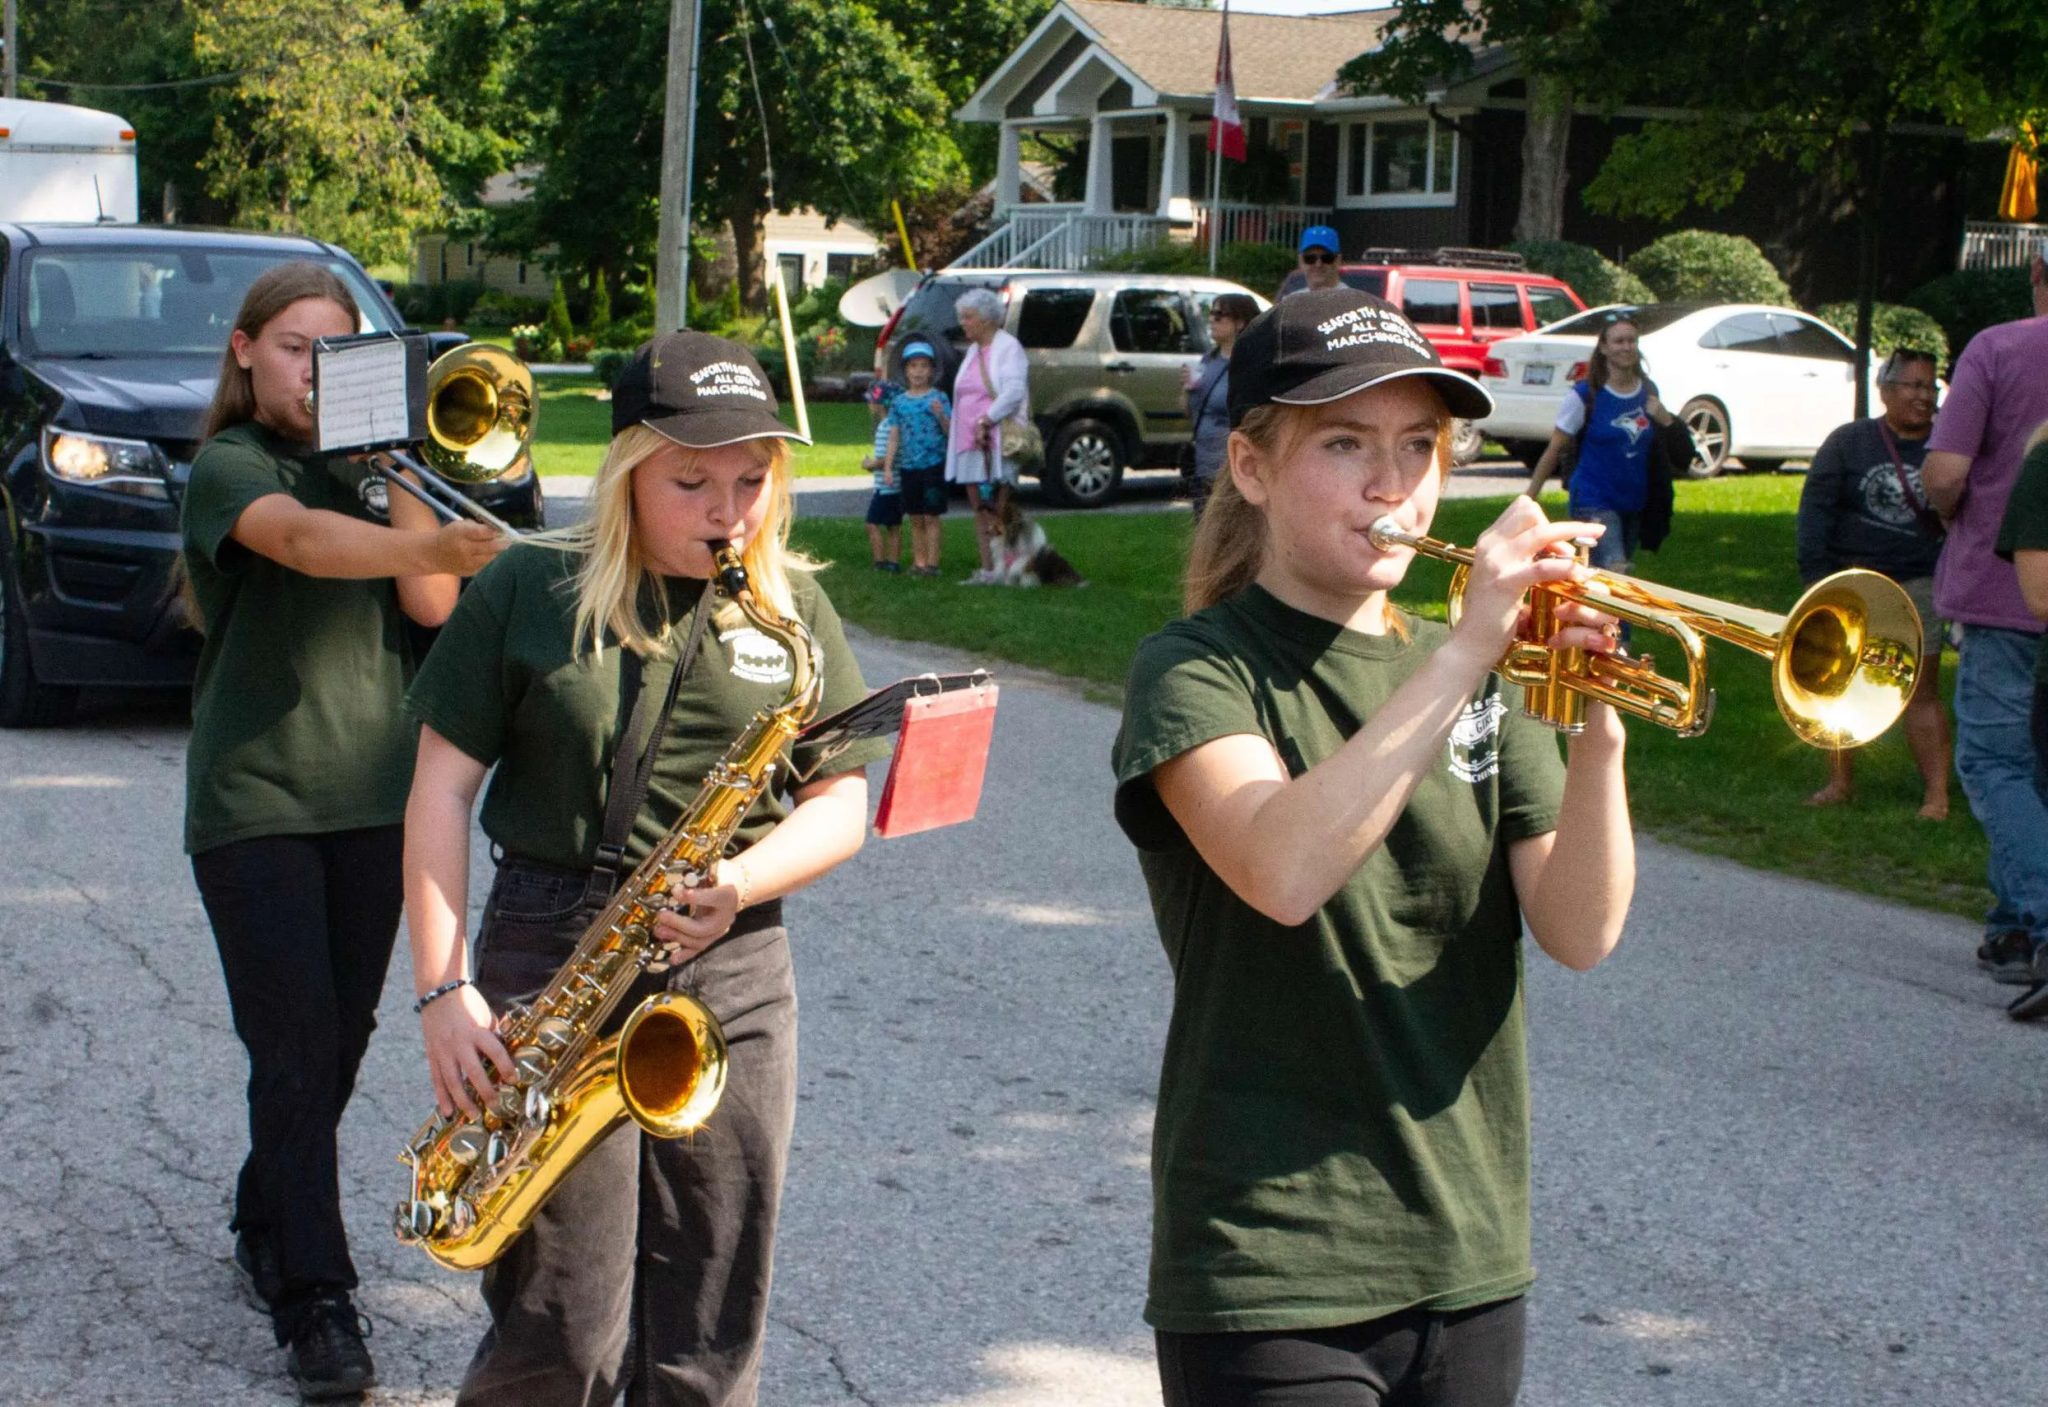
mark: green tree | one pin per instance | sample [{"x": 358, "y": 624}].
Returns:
[
  {"x": 556, "y": 329},
  {"x": 600, "y": 320},
  {"x": 329, "y": 128},
  {"x": 1824, "y": 85},
  {"x": 1573, "y": 54}
]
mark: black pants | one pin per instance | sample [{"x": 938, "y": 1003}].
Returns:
[
  {"x": 1471, "y": 1358},
  {"x": 648, "y": 1268},
  {"x": 304, "y": 925}
]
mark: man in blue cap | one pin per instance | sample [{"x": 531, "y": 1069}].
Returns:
[{"x": 1318, "y": 255}]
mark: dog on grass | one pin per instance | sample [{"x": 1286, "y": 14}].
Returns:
[{"x": 1022, "y": 555}]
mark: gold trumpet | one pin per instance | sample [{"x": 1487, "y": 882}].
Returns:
[
  {"x": 480, "y": 418},
  {"x": 1844, "y": 659}
]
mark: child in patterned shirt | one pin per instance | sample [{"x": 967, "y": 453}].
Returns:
[{"x": 915, "y": 454}]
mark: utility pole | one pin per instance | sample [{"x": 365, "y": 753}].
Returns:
[
  {"x": 678, "y": 168},
  {"x": 7, "y": 36}
]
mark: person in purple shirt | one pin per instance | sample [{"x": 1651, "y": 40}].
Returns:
[{"x": 1997, "y": 398}]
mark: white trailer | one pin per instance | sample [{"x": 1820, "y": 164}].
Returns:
[{"x": 59, "y": 162}]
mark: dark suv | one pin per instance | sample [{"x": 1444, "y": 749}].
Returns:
[{"x": 110, "y": 341}]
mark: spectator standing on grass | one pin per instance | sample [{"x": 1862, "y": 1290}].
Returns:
[
  {"x": 1998, "y": 396},
  {"x": 991, "y": 389},
  {"x": 885, "y": 509},
  {"x": 1317, "y": 257},
  {"x": 1612, "y": 416},
  {"x": 1863, "y": 505},
  {"x": 915, "y": 452},
  {"x": 1208, "y": 391},
  {"x": 2023, "y": 541}
]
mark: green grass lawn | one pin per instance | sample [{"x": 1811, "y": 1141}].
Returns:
[
  {"x": 575, "y": 426},
  {"x": 1735, "y": 791}
]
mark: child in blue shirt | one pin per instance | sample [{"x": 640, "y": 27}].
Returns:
[
  {"x": 915, "y": 453},
  {"x": 885, "y": 509}
]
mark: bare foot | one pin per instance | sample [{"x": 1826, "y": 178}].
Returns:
[
  {"x": 1833, "y": 794},
  {"x": 1934, "y": 808}
]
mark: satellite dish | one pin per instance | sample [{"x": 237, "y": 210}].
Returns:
[{"x": 869, "y": 302}]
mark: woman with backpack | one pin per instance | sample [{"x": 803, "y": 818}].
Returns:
[{"x": 1612, "y": 416}]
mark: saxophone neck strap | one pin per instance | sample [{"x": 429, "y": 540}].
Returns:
[{"x": 633, "y": 770}]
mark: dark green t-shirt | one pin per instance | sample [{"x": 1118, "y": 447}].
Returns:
[
  {"x": 2025, "y": 528},
  {"x": 1343, "y": 1125},
  {"x": 504, "y": 684},
  {"x": 297, "y": 720}
]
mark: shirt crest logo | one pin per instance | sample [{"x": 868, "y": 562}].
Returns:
[
  {"x": 1475, "y": 740},
  {"x": 755, "y": 657}
]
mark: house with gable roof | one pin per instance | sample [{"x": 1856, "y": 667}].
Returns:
[{"x": 1129, "y": 88}]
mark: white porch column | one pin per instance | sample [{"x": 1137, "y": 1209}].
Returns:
[
  {"x": 1009, "y": 167},
  {"x": 1100, "y": 134},
  {"x": 1173, "y": 168}
]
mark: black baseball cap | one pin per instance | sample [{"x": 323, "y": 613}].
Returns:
[
  {"x": 698, "y": 390},
  {"x": 1321, "y": 345}
]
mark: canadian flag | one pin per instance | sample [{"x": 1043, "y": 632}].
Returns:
[{"x": 1226, "y": 130}]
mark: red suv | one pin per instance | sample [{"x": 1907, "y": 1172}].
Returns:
[{"x": 1463, "y": 301}]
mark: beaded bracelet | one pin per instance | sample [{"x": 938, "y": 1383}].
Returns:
[{"x": 439, "y": 992}]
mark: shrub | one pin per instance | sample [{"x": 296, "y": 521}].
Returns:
[
  {"x": 1969, "y": 300},
  {"x": 578, "y": 349},
  {"x": 1891, "y": 325},
  {"x": 430, "y": 304},
  {"x": 1701, "y": 266},
  {"x": 599, "y": 323},
  {"x": 608, "y": 363},
  {"x": 1259, "y": 267},
  {"x": 1594, "y": 277},
  {"x": 499, "y": 309},
  {"x": 558, "y": 327}
]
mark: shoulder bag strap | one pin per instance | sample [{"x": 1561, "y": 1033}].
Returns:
[
  {"x": 1922, "y": 510},
  {"x": 630, "y": 773}
]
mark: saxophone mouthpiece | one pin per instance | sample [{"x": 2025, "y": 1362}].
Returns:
[{"x": 731, "y": 574}]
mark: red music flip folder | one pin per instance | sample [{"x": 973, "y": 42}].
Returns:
[{"x": 941, "y": 757}]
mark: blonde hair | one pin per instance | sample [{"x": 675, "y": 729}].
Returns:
[
  {"x": 611, "y": 584},
  {"x": 1229, "y": 549},
  {"x": 2037, "y": 439}
]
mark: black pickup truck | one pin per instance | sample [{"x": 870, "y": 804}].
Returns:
[{"x": 111, "y": 338}]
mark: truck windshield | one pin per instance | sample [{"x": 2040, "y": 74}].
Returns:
[{"x": 111, "y": 302}]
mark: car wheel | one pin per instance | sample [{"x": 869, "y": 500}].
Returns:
[
  {"x": 1708, "y": 421},
  {"x": 25, "y": 701},
  {"x": 1467, "y": 439},
  {"x": 1085, "y": 465}
]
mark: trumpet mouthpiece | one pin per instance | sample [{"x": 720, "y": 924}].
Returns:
[{"x": 1386, "y": 534}]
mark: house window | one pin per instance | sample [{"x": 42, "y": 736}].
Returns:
[
  {"x": 1400, "y": 161},
  {"x": 522, "y": 273}
]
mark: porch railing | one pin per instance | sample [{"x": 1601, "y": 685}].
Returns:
[
  {"x": 1259, "y": 224},
  {"x": 1997, "y": 244},
  {"x": 1060, "y": 237}
]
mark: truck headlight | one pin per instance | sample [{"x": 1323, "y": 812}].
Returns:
[{"x": 135, "y": 466}]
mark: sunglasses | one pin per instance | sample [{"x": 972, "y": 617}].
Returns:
[{"x": 1317, "y": 256}]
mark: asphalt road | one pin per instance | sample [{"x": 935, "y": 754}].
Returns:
[{"x": 1788, "y": 1149}]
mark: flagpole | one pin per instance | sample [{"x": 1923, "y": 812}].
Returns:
[{"x": 1216, "y": 166}]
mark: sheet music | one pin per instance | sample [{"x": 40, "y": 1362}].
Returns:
[{"x": 362, "y": 397}]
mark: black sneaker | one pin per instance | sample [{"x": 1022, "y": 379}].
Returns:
[
  {"x": 256, "y": 1264},
  {"x": 327, "y": 1356},
  {"x": 2009, "y": 958}
]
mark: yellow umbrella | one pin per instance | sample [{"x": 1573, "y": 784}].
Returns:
[{"x": 2016, "y": 197}]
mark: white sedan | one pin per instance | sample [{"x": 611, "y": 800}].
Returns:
[{"x": 1755, "y": 383}]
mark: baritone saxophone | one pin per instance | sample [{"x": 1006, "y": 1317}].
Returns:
[{"x": 477, "y": 1182}]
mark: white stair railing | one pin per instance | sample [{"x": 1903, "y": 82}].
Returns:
[{"x": 1998, "y": 244}]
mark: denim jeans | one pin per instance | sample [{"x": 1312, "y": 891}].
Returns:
[
  {"x": 2000, "y": 773},
  {"x": 1416, "y": 1358},
  {"x": 1616, "y": 547},
  {"x": 648, "y": 1268},
  {"x": 304, "y": 925}
]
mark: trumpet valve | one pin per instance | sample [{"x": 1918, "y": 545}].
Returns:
[{"x": 466, "y": 1144}]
